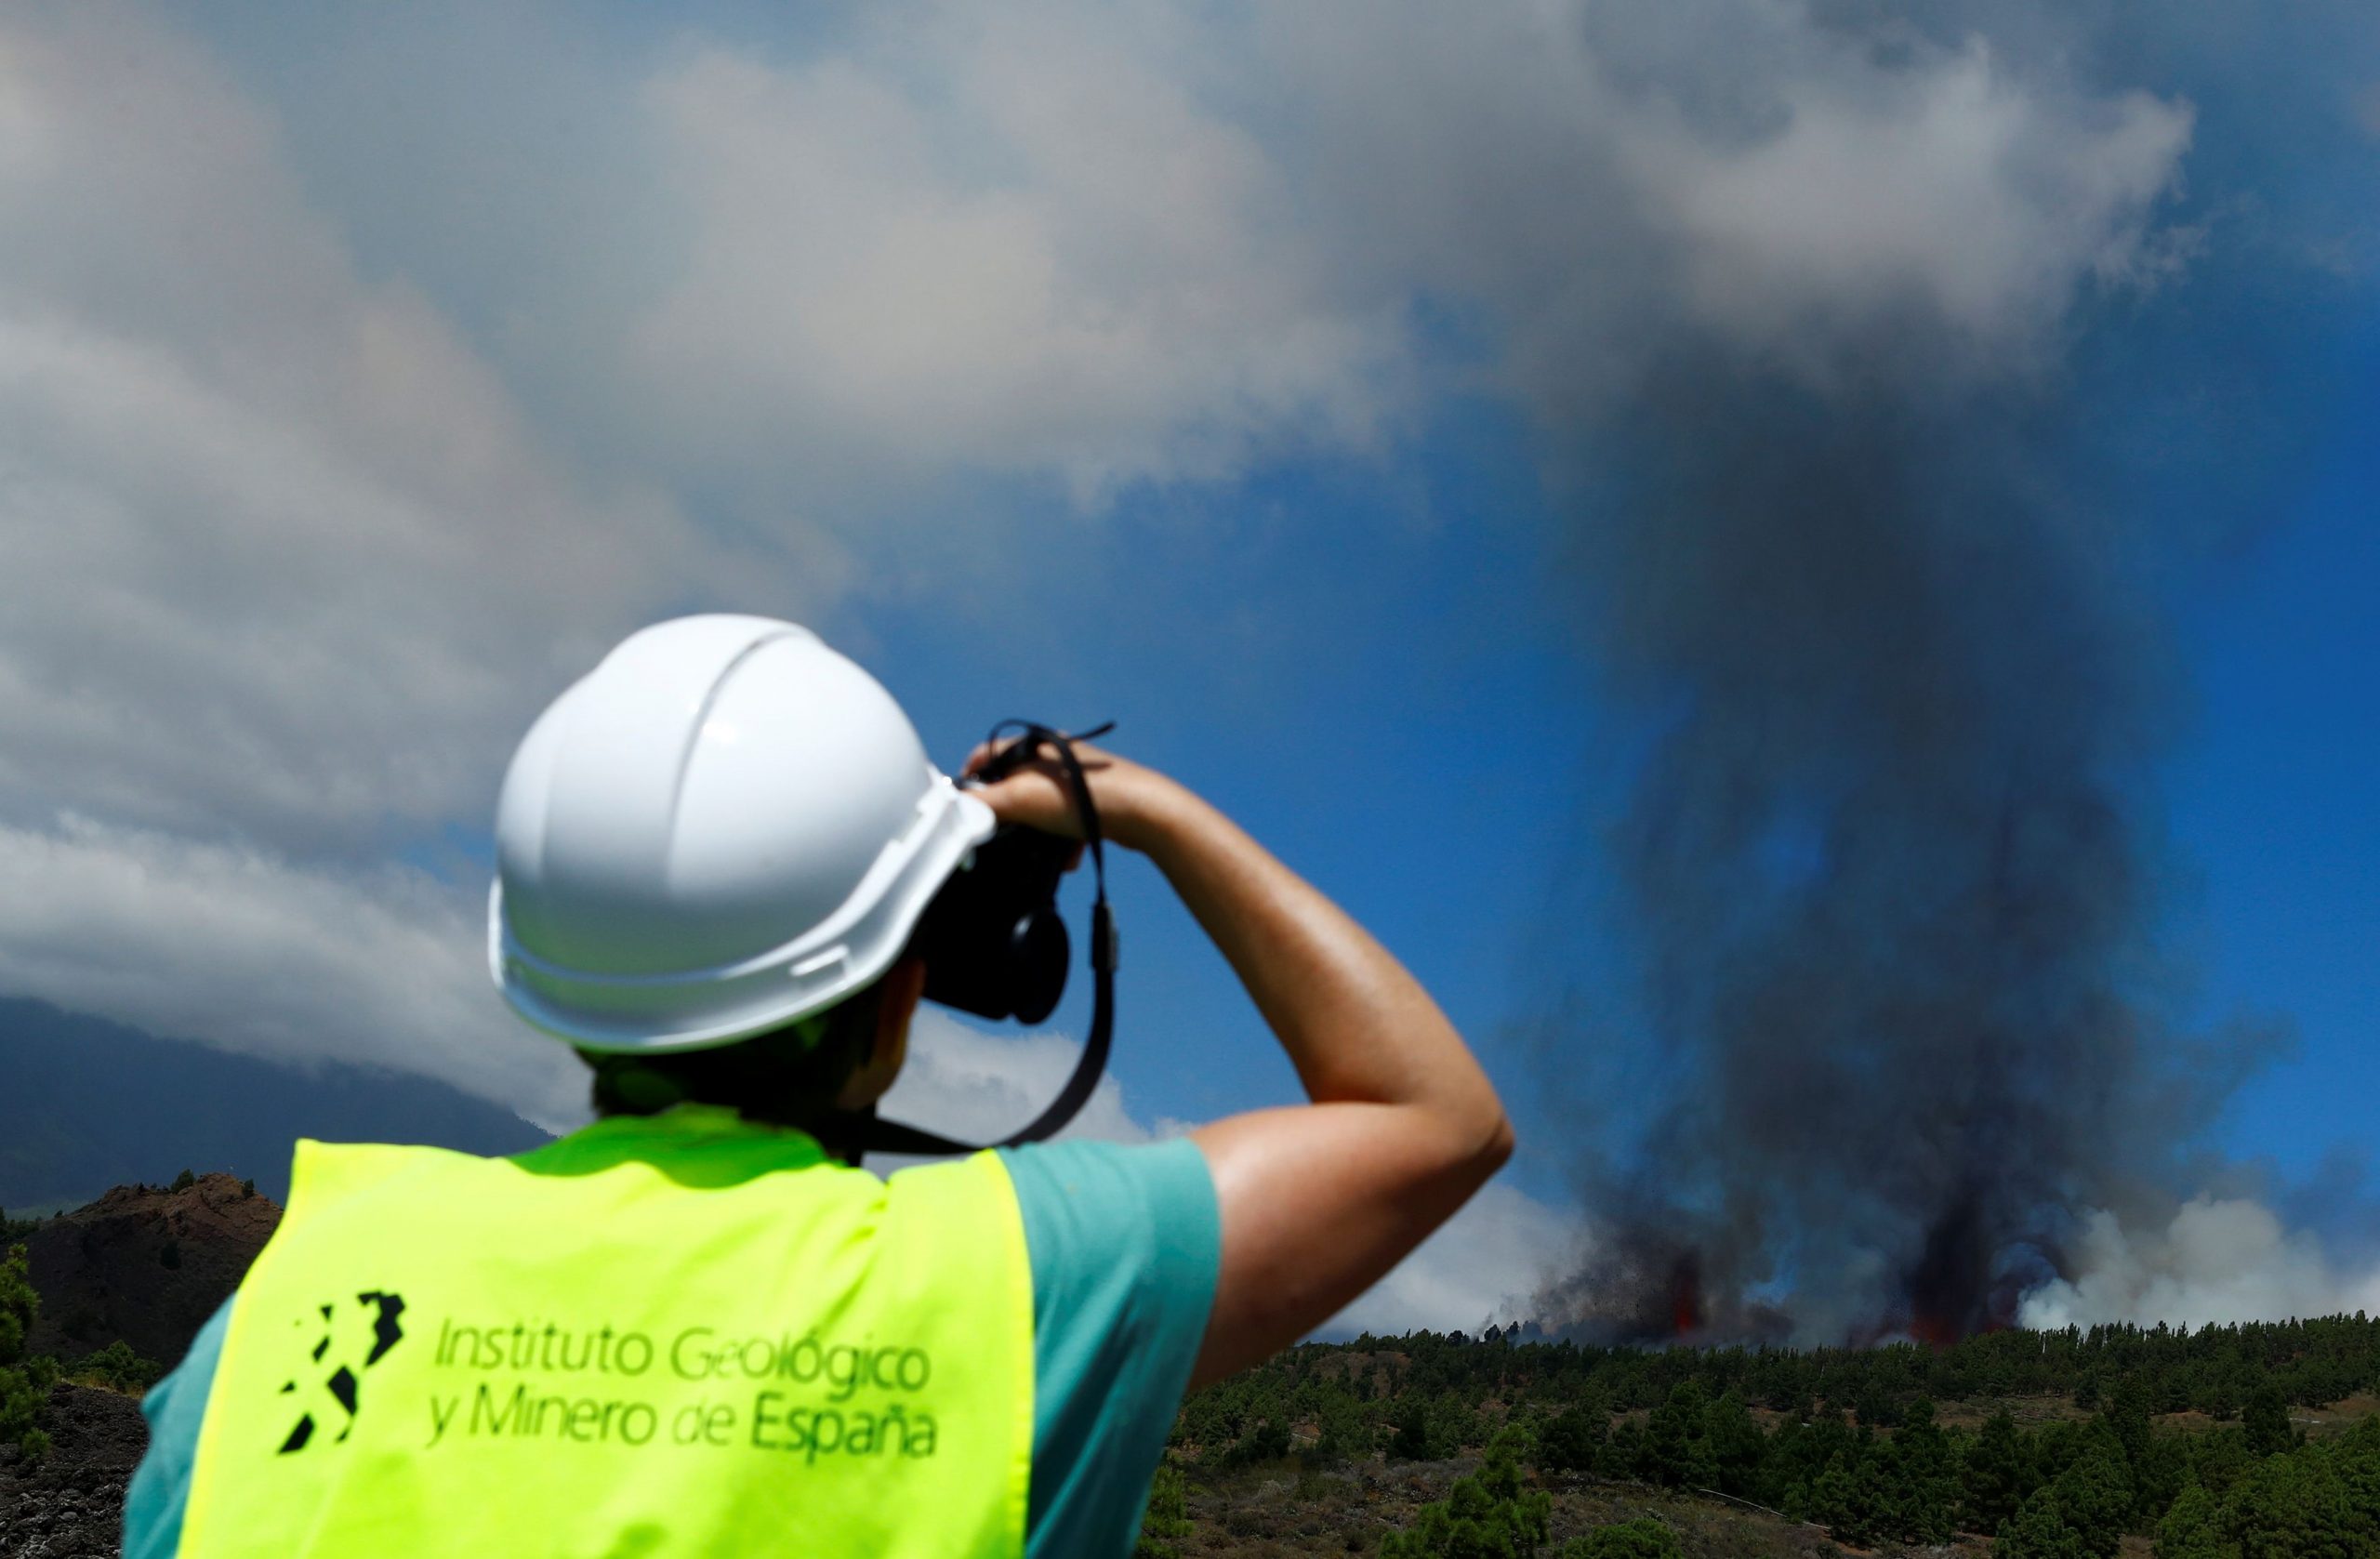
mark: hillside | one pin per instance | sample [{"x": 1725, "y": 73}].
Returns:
[
  {"x": 86, "y": 1104},
  {"x": 2218, "y": 1443},
  {"x": 2259, "y": 1439},
  {"x": 145, "y": 1265}
]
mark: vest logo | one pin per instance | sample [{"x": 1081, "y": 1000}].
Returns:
[{"x": 343, "y": 1382}]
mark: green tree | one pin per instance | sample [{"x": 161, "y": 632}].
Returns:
[
  {"x": 25, "y": 1381},
  {"x": 1168, "y": 1518},
  {"x": 1677, "y": 1445},
  {"x": 2190, "y": 1530},
  {"x": 2094, "y": 1495},
  {"x": 1621, "y": 1451},
  {"x": 183, "y": 1181},
  {"x": 2266, "y": 1420},
  {"x": 2081, "y": 1512},
  {"x": 1992, "y": 1476},
  {"x": 1839, "y": 1502},
  {"x": 1491, "y": 1514},
  {"x": 2219, "y": 1459},
  {"x": 1737, "y": 1447},
  {"x": 2291, "y": 1507},
  {"x": 1641, "y": 1538},
  {"x": 1411, "y": 1423},
  {"x": 1922, "y": 1481},
  {"x": 2038, "y": 1530},
  {"x": 2355, "y": 1459},
  {"x": 1342, "y": 1428},
  {"x": 1569, "y": 1440}
]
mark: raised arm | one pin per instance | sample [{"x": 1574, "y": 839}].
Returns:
[{"x": 1318, "y": 1201}]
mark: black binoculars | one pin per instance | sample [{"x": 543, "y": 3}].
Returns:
[{"x": 992, "y": 940}]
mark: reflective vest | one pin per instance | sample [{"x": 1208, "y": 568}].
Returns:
[{"x": 671, "y": 1335}]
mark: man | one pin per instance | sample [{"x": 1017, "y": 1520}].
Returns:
[{"x": 692, "y": 1327}]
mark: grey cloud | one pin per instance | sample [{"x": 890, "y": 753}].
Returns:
[{"x": 286, "y": 559}]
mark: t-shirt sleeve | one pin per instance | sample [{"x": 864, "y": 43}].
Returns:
[
  {"x": 175, "y": 1407},
  {"x": 1125, "y": 1242}
]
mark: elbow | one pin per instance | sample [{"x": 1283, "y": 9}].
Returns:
[
  {"x": 1496, "y": 1144},
  {"x": 1475, "y": 1146},
  {"x": 1501, "y": 1140}
]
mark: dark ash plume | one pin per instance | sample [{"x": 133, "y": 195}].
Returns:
[{"x": 1884, "y": 868}]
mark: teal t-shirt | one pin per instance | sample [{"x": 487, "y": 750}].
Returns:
[{"x": 1124, "y": 1244}]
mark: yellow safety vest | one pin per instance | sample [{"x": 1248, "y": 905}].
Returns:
[{"x": 680, "y": 1334}]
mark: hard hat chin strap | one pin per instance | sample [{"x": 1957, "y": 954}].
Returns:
[{"x": 876, "y": 1135}]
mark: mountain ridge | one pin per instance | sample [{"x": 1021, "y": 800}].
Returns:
[{"x": 86, "y": 1103}]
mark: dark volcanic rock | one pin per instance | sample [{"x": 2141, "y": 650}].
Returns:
[
  {"x": 70, "y": 1505},
  {"x": 144, "y": 1264}
]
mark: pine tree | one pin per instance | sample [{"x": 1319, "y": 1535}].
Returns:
[
  {"x": 1621, "y": 1453},
  {"x": 2292, "y": 1507},
  {"x": 2266, "y": 1422},
  {"x": 1992, "y": 1479},
  {"x": 2188, "y": 1529},
  {"x": 1677, "y": 1445},
  {"x": 1738, "y": 1447},
  {"x": 1570, "y": 1440},
  {"x": 1491, "y": 1514},
  {"x": 2038, "y": 1530},
  {"x": 2094, "y": 1495},
  {"x": 1835, "y": 1502},
  {"x": 1924, "y": 1490},
  {"x": 24, "y": 1382}
]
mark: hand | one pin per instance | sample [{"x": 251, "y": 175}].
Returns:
[{"x": 1038, "y": 794}]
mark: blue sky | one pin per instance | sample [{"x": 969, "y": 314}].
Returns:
[
  {"x": 2275, "y": 795},
  {"x": 1249, "y": 377}
]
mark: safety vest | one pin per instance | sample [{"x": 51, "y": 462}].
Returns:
[{"x": 680, "y": 1334}]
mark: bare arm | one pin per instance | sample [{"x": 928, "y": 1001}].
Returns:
[{"x": 1319, "y": 1202}]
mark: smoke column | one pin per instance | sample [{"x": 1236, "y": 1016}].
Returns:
[{"x": 1882, "y": 864}]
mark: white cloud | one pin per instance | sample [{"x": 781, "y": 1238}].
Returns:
[
  {"x": 1484, "y": 1267},
  {"x": 1001, "y": 242},
  {"x": 1612, "y": 184},
  {"x": 2220, "y": 1260},
  {"x": 979, "y": 1088},
  {"x": 381, "y": 967},
  {"x": 1949, "y": 189}
]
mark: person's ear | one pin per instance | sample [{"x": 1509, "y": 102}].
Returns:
[{"x": 903, "y": 986}]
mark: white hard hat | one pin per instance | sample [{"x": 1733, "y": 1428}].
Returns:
[{"x": 724, "y": 827}]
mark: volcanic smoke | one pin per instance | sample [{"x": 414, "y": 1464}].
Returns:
[{"x": 1886, "y": 869}]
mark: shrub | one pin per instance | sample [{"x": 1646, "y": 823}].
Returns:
[
  {"x": 1641, "y": 1538},
  {"x": 1168, "y": 1519},
  {"x": 117, "y": 1367}
]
